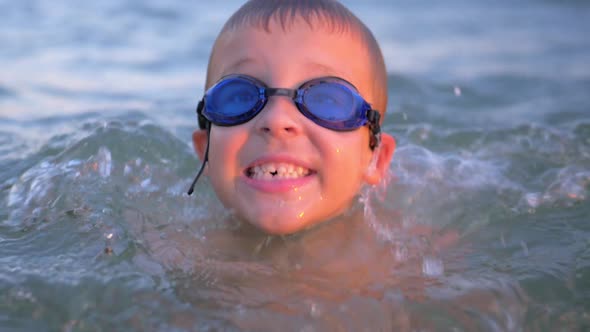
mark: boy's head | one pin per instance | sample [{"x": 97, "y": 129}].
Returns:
[
  {"x": 287, "y": 150},
  {"x": 328, "y": 15}
]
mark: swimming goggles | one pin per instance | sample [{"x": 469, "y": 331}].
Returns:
[{"x": 330, "y": 102}]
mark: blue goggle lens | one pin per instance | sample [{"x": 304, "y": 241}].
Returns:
[
  {"x": 232, "y": 98},
  {"x": 330, "y": 102}
]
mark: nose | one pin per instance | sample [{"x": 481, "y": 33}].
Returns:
[{"x": 279, "y": 118}]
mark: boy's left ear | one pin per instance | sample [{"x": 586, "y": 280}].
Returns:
[
  {"x": 380, "y": 165},
  {"x": 200, "y": 142}
]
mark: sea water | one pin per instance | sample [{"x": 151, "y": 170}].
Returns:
[{"x": 482, "y": 223}]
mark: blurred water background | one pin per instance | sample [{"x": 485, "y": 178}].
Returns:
[{"x": 489, "y": 104}]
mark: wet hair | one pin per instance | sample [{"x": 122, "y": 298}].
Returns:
[{"x": 327, "y": 14}]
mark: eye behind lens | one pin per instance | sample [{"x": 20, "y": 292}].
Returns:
[
  {"x": 330, "y": 101},
  {"x": 233, "y": 98}
]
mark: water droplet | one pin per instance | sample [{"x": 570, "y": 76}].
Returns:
[
  {"x": 533, "y": 199},
  {"x": 401, "y": 253},
  {"x": 73, "y": 163},
  {"x": 525, "y": 248},
  {"x": 127, "y": 170},
  {"x": 145, "y": 183},
  {"x": 432, "y": 267},
  {"x": 314, "y": 310}
]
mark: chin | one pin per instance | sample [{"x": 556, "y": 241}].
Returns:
[
  {"x": 280, "y": 226},
  {"x": 284, "y": 221}
]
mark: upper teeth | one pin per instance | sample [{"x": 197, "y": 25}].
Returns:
[{"x": 277, "y": 170}]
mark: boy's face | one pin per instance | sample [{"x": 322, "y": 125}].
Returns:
[{"x": 328, "y": 166}]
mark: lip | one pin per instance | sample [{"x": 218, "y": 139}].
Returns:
[{"x": 282, "y": 185}]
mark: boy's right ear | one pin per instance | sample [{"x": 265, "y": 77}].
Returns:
[{"x": 200, "y": 143}]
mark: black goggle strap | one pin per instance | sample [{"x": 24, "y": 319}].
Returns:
[
  {"x": 202, "y": 120},
  {"x": 373, "y": 117},
  {"x": 203, "y": 124}
]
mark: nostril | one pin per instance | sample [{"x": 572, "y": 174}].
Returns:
[{"x": 287, "y": 130}]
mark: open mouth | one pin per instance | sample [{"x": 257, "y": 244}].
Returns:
[{"x": 277, "y": 171}]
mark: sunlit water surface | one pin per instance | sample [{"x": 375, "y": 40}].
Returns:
[{"x": 483, "y": 223}]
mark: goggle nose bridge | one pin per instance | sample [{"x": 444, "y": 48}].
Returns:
[{"x": 291, "y": 93}]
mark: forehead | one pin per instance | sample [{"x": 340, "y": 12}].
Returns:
[{"x": 309, "y": 45}]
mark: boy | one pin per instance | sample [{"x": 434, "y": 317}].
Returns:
[{"x": 295, "y": 93}]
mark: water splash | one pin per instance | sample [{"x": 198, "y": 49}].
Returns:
[
  {"x": 567, "y": 186},
  {"x": 104, "y": 162}
]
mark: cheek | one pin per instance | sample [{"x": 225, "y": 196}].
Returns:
[
  {"x": 223, "y": 166},
  {"x": 349, "y": 148},
  {"x": 223, "y": 154},
  {"x": 345, "y": 156}
]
